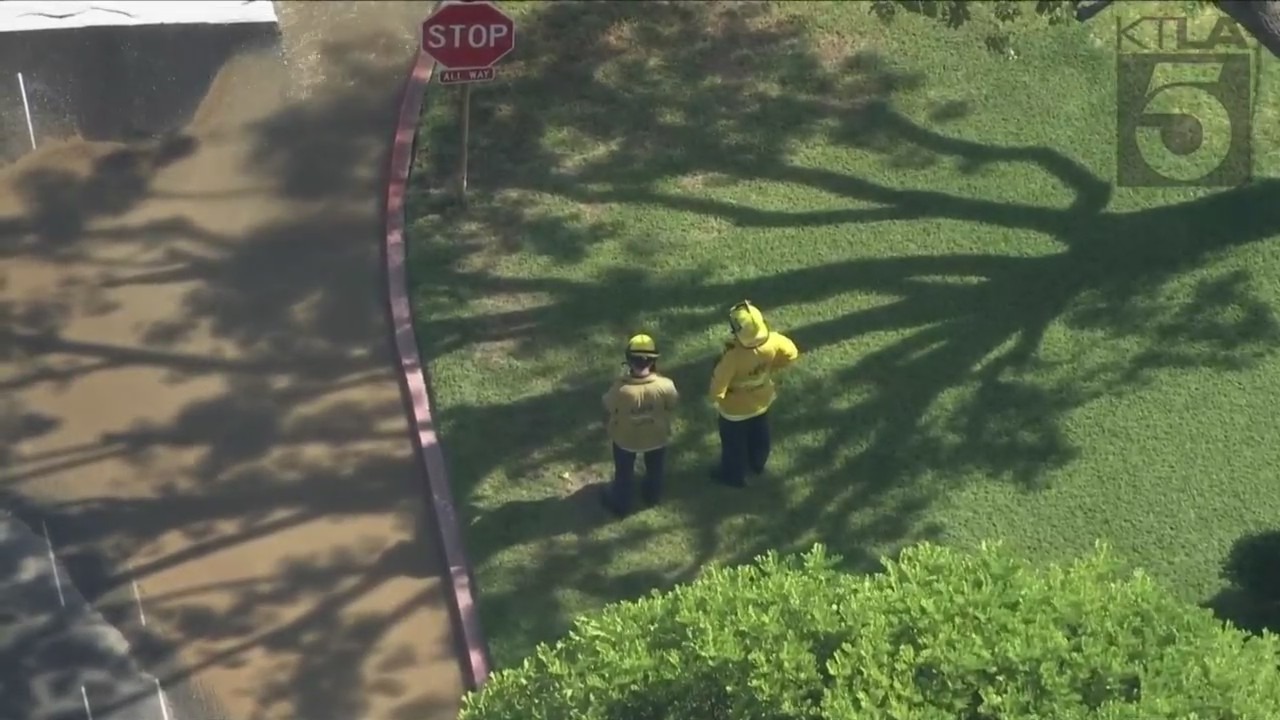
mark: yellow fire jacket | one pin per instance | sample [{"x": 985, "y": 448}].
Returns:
[{"x": 742, "y": 383}]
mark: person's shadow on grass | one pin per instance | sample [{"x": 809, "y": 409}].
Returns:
[{"x": 576, "y": 511}]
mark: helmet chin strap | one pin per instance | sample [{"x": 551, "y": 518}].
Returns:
[{"x": 734, "y": 326}]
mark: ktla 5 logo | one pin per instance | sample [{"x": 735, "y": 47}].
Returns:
[{"x": 1184, "y": 105}]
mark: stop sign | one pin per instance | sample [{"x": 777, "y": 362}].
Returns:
[{"x": 468, "y": 35}]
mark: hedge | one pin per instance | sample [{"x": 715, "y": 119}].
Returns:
[{"x": 940, "y": 635}]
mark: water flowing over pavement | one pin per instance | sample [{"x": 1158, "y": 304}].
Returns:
[{"x": 198, "y": 401}]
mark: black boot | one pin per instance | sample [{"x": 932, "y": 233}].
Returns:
[
  {"x": 717, "y": 476},
  {"x": 610, "y": 504}
]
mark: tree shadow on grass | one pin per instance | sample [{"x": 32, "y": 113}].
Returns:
[
  {"x": 1251, "y": 599},
  {"x": 997, "y": 32},
  {"x": 701, "y": 92},
  {"x": 955, "y": 14}
]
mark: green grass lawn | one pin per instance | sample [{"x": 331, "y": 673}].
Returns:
[{"x": 998, "y": 342}]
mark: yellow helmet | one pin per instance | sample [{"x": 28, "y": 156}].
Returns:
[
  {"x": 747, "y": 323},
  {"x": 642, "y": 345}
]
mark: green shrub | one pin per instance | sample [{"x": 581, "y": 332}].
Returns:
[{"x": 941, "y": 635}]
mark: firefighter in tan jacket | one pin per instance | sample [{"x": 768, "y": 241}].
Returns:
[{"x": 639, "y": 408}]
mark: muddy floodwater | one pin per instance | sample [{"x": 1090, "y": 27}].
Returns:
[{"x": 200, "y": 422}]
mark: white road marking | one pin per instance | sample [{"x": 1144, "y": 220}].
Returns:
[
  {"x": 26, "y": 108},
  {"x": 53, "y": 562},
  {"x": 137, "y": 597},
  {"x": 164, "y": 705},
  {"x": 85, "y": 695}
]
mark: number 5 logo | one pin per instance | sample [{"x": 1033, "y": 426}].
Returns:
[{"x": 1184, "y": 119}]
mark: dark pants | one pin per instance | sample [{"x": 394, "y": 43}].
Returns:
[
  {"x": 624, "y": 476},
  {"x": 744, "y": 444}
]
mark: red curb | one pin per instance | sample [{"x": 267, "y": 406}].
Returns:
[{"x": 459, "y": 569}]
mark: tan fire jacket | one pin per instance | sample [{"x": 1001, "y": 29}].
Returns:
[{"x": 640, "y": 411}]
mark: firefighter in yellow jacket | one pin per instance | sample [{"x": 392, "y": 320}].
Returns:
[
  {"x": 639, "y": 408},
  {"x": 742, "y": 389}
]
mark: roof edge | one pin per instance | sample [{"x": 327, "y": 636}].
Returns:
[{"x": 29, "y": 15}]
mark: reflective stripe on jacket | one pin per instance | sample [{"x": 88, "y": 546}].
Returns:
[{"x": 742, "y": 383}]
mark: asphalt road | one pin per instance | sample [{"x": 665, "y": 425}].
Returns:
[{"x": 58, "y": 655}]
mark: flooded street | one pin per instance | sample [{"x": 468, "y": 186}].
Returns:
[{"x": 198, "y": 398}]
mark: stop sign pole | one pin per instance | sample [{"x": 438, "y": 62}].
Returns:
[{"x": 467, "y": 39}]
